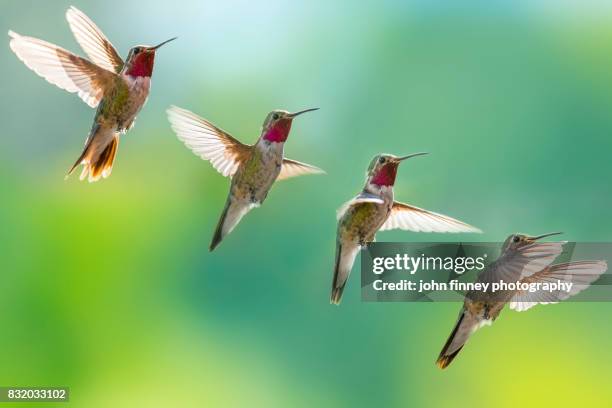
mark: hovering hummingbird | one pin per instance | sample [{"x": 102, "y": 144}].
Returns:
[
  {"x": 526, "y": 260},
  {"x": 253, "y": 169},
  {"x": 375, "y": 210},
  {"x": 118, "y": 89}
]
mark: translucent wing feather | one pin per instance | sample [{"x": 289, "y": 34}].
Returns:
[
  {"x": 62, "y": 68},
  {"x": 407, "y": 217},
  {"x": 294, "y": 168},
  {"x": 208, "y": 141},
  {"x": 93, "y": 41},
  {"x": 515, "y": 264},
  {"x": 580, "y": 274}
]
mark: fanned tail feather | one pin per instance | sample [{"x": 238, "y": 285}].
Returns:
[{"x": 98, "y": 155}]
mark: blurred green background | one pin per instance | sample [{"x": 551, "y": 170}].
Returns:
[{"x": 109, "y": 287}]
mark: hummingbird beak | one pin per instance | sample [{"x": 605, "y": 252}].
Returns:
[
  {"x": 159, "y": 45},
  {"x": 399, "y": 159},
  {"x": 293, "y": 115},
  {"x": 544, "y": 236}
]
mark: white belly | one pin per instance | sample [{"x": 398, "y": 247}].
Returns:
[{"x": 139, "y": 92}]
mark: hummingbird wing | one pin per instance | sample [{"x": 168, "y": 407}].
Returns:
[
  {"x": 407, "y": 217},
  {"x": 515, "y": 264},
  {"x": 93, "y": 41},
  {"x": 62, "y": 68},
  {"x": 580, "y": 274},
  {"x": 363, "y": 197},
  {"x": 208, "y": 141},
  {"x": 294, "y": 168}
]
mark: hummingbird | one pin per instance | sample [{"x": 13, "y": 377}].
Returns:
[
  {"x": 523, "y": 259},
  {"x": 252, "y": 168},
  {"x": 116, "y": 88},
  {"x": 373, "y": 210}
]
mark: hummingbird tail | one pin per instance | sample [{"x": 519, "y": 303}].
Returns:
[
  {"x": 218, "y": 235},
  {"x": 336, "y": 295},
  {"x": 466, "y": 325},
  {"x": 345, "y": 257},
  {"x": 98, "y": 155},
  {"x": 230, "y": 217}
]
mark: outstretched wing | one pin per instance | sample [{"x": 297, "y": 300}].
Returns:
[
  {"x": 580, "y": 274},
  {"x": 208, "y": 141},
  {"x": 93, "y": 41},
  {"x": 62, "y": 68},
  {"x": 407, "y": 217},
  {"x": 294, "y": 168},
  {"x": 515, "y": 264}
]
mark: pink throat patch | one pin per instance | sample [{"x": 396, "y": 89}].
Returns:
[
  {"x": 142, "y": 66},
  {"x": 386, "y": 175},
  {"x": 279, "y": 132}
]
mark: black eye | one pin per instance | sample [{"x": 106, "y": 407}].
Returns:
[
  {"x": 136, "y": 51},
  {"x": 381, "y": 160},
  {"x": 516, "y": 238},
  {"x": 275, "y": 116}
]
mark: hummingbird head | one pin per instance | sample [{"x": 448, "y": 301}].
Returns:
[
  {"x": 383, "y": 168},
  {"x": 517, "y": 241},
  {"x": 139, "y": 62},
  {"x": 277, "y": 125}
]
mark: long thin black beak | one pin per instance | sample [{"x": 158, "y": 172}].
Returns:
[
  {"x": 293, "y": 115},
  {"x": 165, "y": 42},
  {"x": 545, "y": 235},
  {"x": 399, "y": 159}
]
